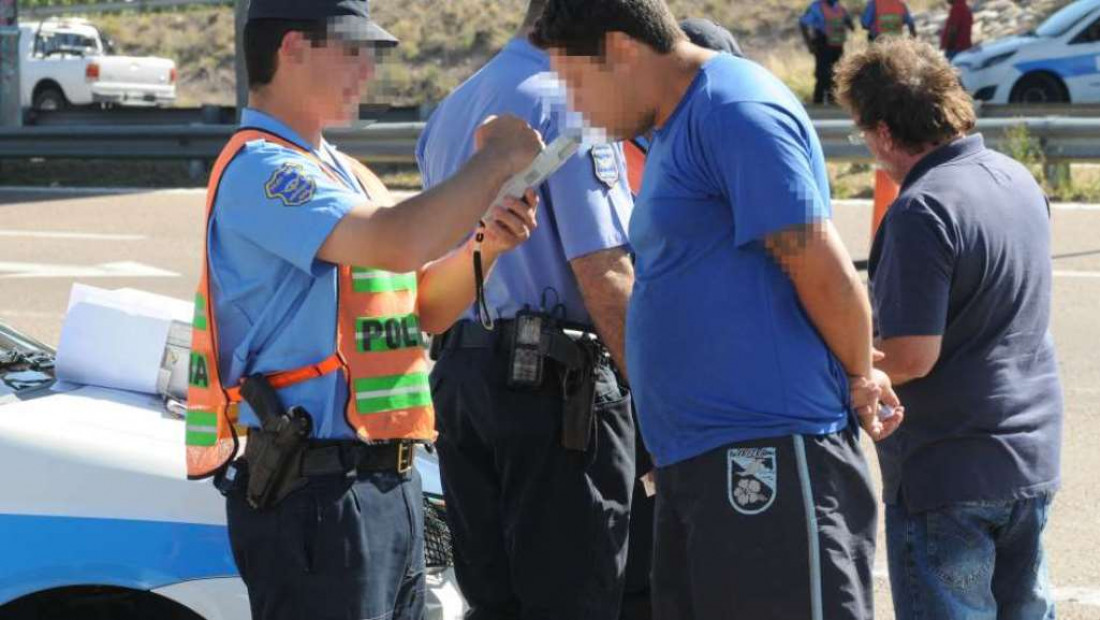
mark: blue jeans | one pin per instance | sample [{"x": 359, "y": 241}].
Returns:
[{"x": 978, "y": 561}]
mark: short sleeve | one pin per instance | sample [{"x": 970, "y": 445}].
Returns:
[
  {"x": 912, "y": 279},
  {"x": 283, "y": 203},
  {"x": 768, "y": 178},
  {"x": 589, "y": 212},
  {"x": 812, "y": 18}
]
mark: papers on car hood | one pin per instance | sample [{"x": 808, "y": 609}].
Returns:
[{"x": 116, "y": 339}]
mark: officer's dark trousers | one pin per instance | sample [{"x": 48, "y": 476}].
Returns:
[
  {"x": 340, "y": 549},
  {"x": 540, "y": 532},
  {"x": 825, "y": 59}
]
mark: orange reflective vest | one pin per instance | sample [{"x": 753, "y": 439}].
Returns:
[
  {"x": 836, "y": 23},
  {"x": 889, "y": 16},
  {"x": 635, "y": 165},
  {"x": 378, "y": 347}
]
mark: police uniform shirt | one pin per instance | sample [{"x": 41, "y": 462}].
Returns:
[
  {"x": 718, "y": 345},
  {"x": 275, "y": 301},
  {"x": 585, "y": 207}
]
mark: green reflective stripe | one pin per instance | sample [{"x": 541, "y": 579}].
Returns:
[
  {"x": 381, "y": 394},
  {"x": 200, "y": 312},
  {"x": 202, "y": 428},
  {"x": 388, "y": 333},
  {"x": 377, "y": 281}
]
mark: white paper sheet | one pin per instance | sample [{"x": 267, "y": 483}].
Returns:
[{"x": 116, "y": 339}]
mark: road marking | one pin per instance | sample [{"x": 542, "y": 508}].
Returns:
[
  {"x": 57, "y": 234},
  {"x": 10, "y": 270},
  {"x": 97, "y": 191},
  {"x": 1058, "y": 206},
  {"x": 1076, "y": 274}
]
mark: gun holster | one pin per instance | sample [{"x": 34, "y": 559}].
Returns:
[
  {"x": 274, "y": 453},
  {"x": 579, "y": 393}
]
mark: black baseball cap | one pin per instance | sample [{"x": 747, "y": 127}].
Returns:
[
  {"x": 710, "y": 35},
  {"x": 347, "y": 20}
]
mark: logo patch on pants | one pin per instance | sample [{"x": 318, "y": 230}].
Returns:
[{"x": 752, "y": 476}]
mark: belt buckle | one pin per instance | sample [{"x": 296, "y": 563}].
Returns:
[{"x": 405, "y": 457}]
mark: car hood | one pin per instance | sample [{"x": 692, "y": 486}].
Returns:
[{"x": 977, "y": 55}]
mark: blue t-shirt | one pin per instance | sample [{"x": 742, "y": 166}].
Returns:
[
  {"x": 274, "y": 300},
  {"x": 585, "y": 206},
  {"x": 719, "y": 347},
  {"x": 964, "y": 254}
]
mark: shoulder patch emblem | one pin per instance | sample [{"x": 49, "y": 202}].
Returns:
[
  {"x": 605, "y": 164},
  {"x": 291, "y": 184},
  {"x": 752, "y": 475}
]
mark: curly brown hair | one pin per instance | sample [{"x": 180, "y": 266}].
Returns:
[{"x": 910, "y": 87}]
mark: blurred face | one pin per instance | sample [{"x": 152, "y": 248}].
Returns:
[
  {"x": 603, "y": 90},
  {"x": 882, "y": 148},
  {"x": 331, "y": 76}
]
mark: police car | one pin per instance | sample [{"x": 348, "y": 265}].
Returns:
[
  {"x": 98, "y": 520},
  {"x": 1058, "y": 62}
]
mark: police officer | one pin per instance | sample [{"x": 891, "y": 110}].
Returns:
[
  {"x": 825, "y": 26},
  {"x": 887, "y": 17},
  {"x": 307, "y": 342},
  {"x": 539, "y": 512}
]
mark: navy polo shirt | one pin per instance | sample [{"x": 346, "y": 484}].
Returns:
[{"x": 964, "y": 254}]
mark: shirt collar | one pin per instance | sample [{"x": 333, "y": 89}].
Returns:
[
  {"x": 256, "y": 119},
  {"x": 963, "y": 147}
]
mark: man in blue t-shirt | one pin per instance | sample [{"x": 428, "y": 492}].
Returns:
[
  {"x": 961, "y": 280},
  {"x": 747, "y": 328}
]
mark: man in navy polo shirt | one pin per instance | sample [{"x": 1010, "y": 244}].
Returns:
[
  {"x": 747, "y": 326},
  {"x": 961, "y": 282}
]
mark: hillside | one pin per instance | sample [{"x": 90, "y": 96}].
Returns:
[{"x": 444, "y": 41}]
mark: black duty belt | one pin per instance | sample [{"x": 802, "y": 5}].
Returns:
[
  {"x": 559, "y": 344},
  {"x": 329, "y": 458}
]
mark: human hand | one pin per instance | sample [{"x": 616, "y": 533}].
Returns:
[
  {"x": 510, "y": 138},
  {"x": 863, "y": 390},
  {"x": 511, "y": 223}
]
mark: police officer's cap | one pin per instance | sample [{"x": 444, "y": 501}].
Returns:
[
  {"x": 347, "y": 20},
  {"x": 710, "y": 35}
]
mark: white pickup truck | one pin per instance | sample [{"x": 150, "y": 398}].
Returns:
[{"x": 70, "y": 63}]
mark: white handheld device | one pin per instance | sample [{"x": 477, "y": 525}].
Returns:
[{"x": 545, "y": 164}]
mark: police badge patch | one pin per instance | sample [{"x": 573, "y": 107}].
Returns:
[
  {"x": 291, "y": 184},
  {"x": 752, "y": 475},
  {"x": 605, "y": 164}
]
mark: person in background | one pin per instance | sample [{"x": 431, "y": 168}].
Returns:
[
  {"x": 957, "y": 30},
  {"x": 961, "y": 280},
  {"x": 825, "y": 26},
  {"x": 887, "y": 17}
]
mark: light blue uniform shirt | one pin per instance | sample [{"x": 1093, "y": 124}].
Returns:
[
  {"x": 719, "y": 347},
  {"x": 579, "y": 213},
  {"x": 274, "y": 300}
]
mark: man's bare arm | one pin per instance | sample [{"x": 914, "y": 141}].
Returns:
[
  {"x": 816, "y": 261},
  {"x": 909, "y": 357},
  {"x": 404, "y": 238},
  {"x": 606, "y": 280},
  {"x": 836, "y": 301}
]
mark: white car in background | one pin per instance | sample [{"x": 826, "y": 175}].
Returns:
[
  {"x": 70, "y": 63},
  {"x": 99, "y": 522},
  {"x": 1058, "y": 62}
]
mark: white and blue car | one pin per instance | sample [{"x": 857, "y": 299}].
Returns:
[
  {"x": 98, "y": 520},
  {"x": 1058, "y": 62}
]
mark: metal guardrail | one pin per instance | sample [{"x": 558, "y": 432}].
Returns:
[
  {"x": 1061, "y": 139},
  {"x": 1014, "y": 110},
  {"x": 204, "y": 115}
]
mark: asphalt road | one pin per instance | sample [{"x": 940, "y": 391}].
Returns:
[{"x": 152, "y": 241}]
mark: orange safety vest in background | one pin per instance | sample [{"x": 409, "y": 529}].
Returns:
[
  {"x": 378, "y": 346},
  {"x": 836, "y": 23},
  {"x": 889, "y": 16},
  {"x": 635, "y": 165}
]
